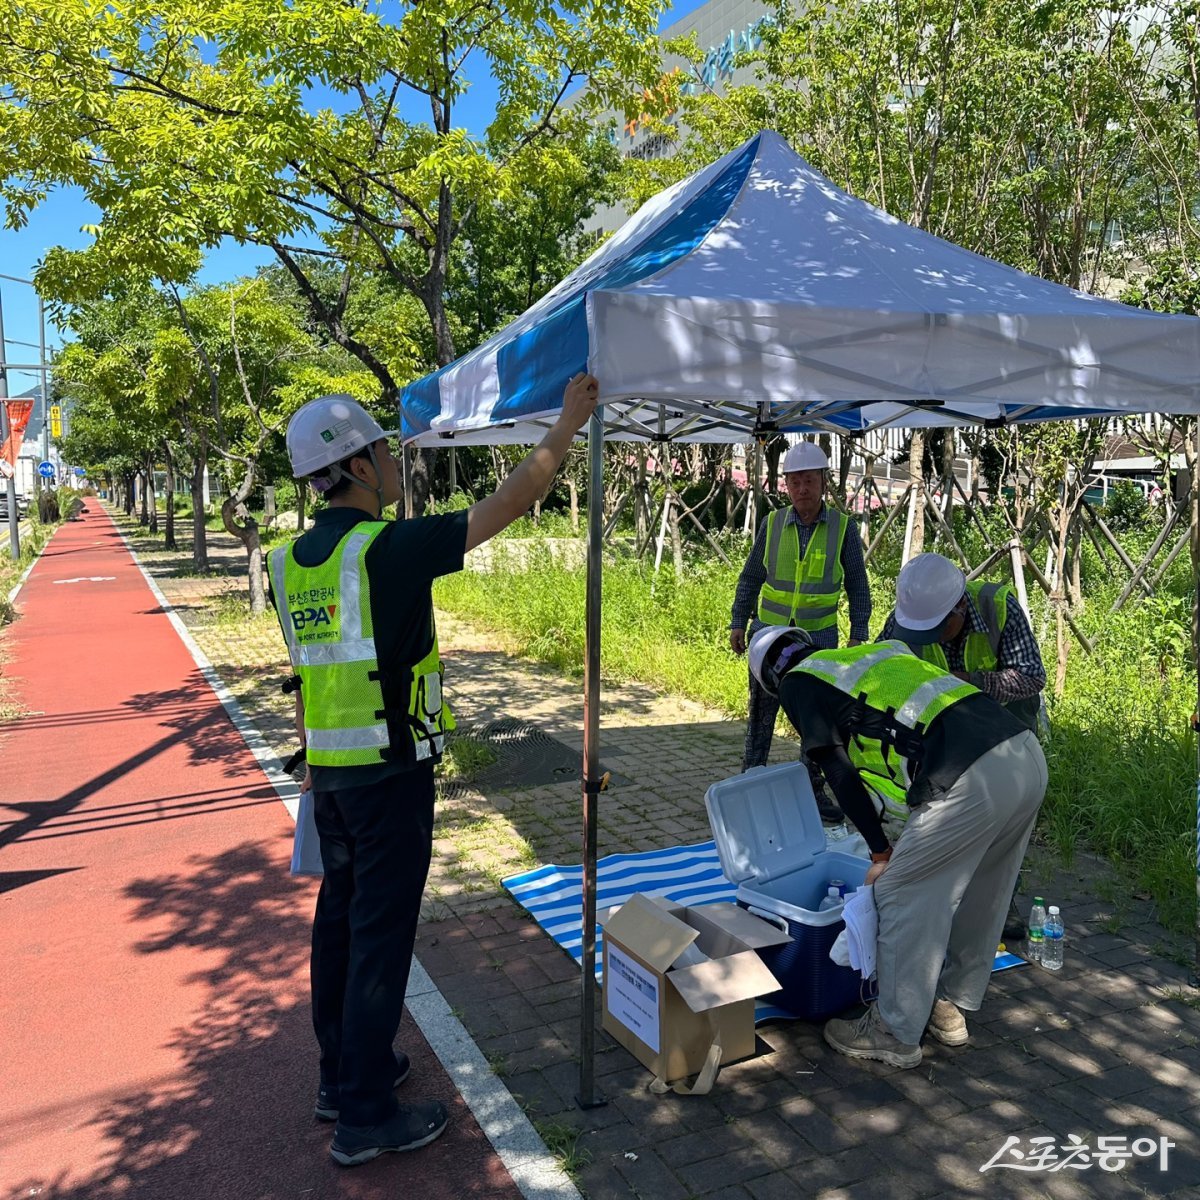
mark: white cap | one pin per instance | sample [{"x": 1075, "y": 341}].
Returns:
[
  {"x": 765, "y": 648},
  {"x": 1053, "y": 910},
  {"x": 805, "y": 456},
  {"x": 327, "y": 430},
  {"x": 927, "y": 589}
]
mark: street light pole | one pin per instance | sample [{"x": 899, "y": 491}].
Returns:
[
  {"x": 14, "y": 536},
  {"x": 45, "y": 389}
]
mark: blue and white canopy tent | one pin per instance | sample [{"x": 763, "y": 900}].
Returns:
[{"x": 756, "y": 297}]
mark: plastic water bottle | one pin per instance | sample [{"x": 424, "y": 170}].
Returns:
[
  {"x": 833, "y": 899},
  {"x": 1052, "y": 947},
  {"x": 1036, "y": 935}
]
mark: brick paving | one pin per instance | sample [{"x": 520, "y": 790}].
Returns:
[{"x": 1109, "y": 1046}]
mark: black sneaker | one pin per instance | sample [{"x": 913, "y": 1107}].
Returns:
[
  {"x": 413, "y": 1126},
  {"x": 328, "y": 1100}
]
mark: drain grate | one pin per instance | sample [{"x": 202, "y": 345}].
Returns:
[{"x": 526, "y": 756}]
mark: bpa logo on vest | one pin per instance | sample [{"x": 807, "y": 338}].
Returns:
[{"x": 312, "y": 618}]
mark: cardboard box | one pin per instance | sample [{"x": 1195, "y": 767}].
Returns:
[{"x": 666, "y": 1015}]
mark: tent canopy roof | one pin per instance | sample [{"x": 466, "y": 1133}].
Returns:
[{"x": 755, "y": 295}]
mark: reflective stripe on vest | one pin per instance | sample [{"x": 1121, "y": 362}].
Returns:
[
  {"x": 980, "y": 649},
  {"x": 325, "y": 613},
  {"x": 887, "y": 678},
  {"x": 802, "y": 590}
]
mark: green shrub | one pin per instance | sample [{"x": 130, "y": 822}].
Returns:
[{"x": 1126, "y": 507}]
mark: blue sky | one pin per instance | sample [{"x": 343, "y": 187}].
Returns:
[{"x": 57, "y": 223}]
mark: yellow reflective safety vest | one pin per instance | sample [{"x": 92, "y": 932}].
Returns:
[
  {"x": 981, "y": 650},
  {"x": 355, "y": 712},
  {"x": 802, "y": 590},
  {"x": 898, "y": 696}
]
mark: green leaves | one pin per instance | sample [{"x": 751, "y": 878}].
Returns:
[{"x": 316, "y": 127}]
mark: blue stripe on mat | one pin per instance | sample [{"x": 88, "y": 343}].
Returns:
[{"x": 683, "y": 874}]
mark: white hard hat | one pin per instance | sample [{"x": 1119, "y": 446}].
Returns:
[
  {"x": 805, "y": 456},
  {"x": 327, "y": 430},
  {"x": 927, "y": 589},
  {"x": 766, "y": 652}
]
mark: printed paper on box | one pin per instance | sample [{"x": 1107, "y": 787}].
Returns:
[{"x": 632, "y": 996}]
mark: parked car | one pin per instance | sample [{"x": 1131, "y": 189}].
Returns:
[{"x": 22, "y": 503}]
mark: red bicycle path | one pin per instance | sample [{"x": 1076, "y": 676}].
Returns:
[{"x": 154, "y": 1011}]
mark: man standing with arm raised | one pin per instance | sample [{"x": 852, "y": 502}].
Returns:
[{"x": 354, "y": 600}]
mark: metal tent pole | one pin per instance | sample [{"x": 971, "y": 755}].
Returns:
[
  {"x": 1195, "y": 979},
  {"x": 587, "y": 1097}
]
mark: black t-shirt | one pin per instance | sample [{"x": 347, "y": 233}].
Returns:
[
  {"x": 955, "y": 739},
  {"x": 402, "y": 563}
]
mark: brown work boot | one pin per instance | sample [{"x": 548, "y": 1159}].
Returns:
[
  {"x": 868, "y": 1037},
  {"x": 947, "y": 1024}
]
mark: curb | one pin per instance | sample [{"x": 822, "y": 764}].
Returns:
[{"x": 517, "y": 1143}]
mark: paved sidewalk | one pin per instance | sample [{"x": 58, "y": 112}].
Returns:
[{"x": 1109, "y": 1047}]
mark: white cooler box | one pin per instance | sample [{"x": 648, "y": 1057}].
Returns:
[{"x": 772, "y": 846}]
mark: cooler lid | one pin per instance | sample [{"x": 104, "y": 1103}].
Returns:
[{"x": 765, "y": 822}]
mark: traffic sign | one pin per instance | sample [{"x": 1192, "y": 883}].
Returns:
[
  {"x": 6, "y": 469},
  {"x": 46, "y": 470},
  {"x": 81, "y": 471},
  {"x": 56, "y": 420}
]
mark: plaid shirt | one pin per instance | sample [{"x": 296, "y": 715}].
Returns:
[
  {"x": 1019, "y": 671},
  {"x": 754, "y": 575}
]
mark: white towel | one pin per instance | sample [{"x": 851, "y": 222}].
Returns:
[{"x": 860, "y": 934}]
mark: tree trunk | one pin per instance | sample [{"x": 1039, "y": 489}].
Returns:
[
  {"x": 144, "y": 515},
  {"x": 239, "y": 521},
  {"x": 301, "y": 503},
  {"x": 641, "y": 518},
  {"x": 199, "y": 533},
  {"x": 573, "y": 489},
  {"x": 1076, "y": 584},
  {"x": 916, "y": 475},
  {"x": 169, "y": 461},
  {"x": 1058, "y": 597},
  {"x": 153, "y": 495},
  {"x": 948, "y": 477},
  {"x": 868, "y": 492},
  {"x": 845, "y": 462},
  {"x": 676, "y": 542},
  {"x": 774, "y": 451}
]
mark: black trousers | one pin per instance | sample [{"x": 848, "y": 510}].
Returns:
[{"x": 376, "y": 843}]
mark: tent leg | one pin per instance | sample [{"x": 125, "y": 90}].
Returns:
[
  {"x": 587, "y": 1097},
  {"x": 1195, "y": 979}
]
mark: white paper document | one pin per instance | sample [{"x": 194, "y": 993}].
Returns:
[{"x": 632, "y": 996}]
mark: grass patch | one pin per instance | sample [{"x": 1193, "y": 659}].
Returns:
[
  {"x": 563, "y": 1143},
  {"x": 465, "y": 758}
]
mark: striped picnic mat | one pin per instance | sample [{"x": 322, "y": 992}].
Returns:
[{"x": 683, "y": 874}]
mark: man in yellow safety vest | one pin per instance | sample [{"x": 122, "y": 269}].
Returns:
[
  {"x": 980, "y": 632},
  {"x": 972, "y": 777},
  {"x": 354, "y": 601},
  {"x": 803, "y": 558}
]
